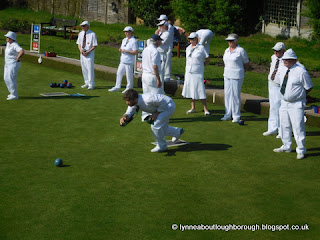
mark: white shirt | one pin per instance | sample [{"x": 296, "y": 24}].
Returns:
[
  {"x": 234, "y": 63},
  {"x": 12, "y": 51},
  {"x": 195, "y": 58},
  {"x": 130, "y": 44},
  {"x": 91, "y": 39},
  {"x": 203, "y": 35},
  {"x": 298, "y": 82},
  {"x": 274, "y": 59},
  {"x": 163, "y": 48},
  {"x": 150, "y": 103},
  {"x": 150, "y": 58}
]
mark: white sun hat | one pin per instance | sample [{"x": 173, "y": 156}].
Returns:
[
  {"x": 128, "y": 29},
  {"x": 11, "y": 35},
  {"x": 289, "y": 54},
  {"x": 85, "y": 23},
  {"x": 279, "y": 46}
]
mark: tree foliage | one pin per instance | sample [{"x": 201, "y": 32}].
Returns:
[
  {"x": 221, "y": 16},
  {"x": 149, "y": 10},
  {"x": 313, "y": 12}
]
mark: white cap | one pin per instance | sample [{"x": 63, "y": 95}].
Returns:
[
  {"x": 279, "y": 46},
  {"x": 128, "y": 29},
  {"x": 163, "y": 17},
  {"x": 193, "y": 35},
  {"x": 11, "y": 35},
  {"x": 232, "y": 36},
  {"x": 163, "y": 22},
  {"x": 289, "y": 54},
  {"x": 85, "y": 23}
]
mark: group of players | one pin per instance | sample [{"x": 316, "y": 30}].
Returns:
[{"x": 288, "y": 81}]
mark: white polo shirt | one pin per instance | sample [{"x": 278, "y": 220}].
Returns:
[
  {"x": 91, "y": 39},
  {"x": 298, "y": 82},
  {"x": 234, "y": 63},
  {"x": 130, "y": 44},
  {"x": 163, "y": 48},
  {"x": 150, "y": 103},
  {"x": 150, "y": 57},
  {"x": 195, "y": 58},
  {"x": 12, "y": 51}
]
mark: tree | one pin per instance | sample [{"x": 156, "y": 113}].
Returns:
[
  {"x": 149, "y": 10},
  {"x": 313, "y": 12}
]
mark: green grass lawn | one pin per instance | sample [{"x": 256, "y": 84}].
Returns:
[{"x": 112, "y": 187}]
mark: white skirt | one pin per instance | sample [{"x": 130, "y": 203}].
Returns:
[{"x": 194, "y": 87}]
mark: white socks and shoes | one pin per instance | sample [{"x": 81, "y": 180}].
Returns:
[
  {"x": 281, "y": 149},
  {"x": 114, "y": 89},
  {"x": 269, "y": 133},
  {"x": 175, "y": 139},
  {"x": 158, "y": 149}
]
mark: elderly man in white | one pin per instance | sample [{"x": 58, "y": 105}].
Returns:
[
  {"x": 295, "y": 82},
  {"x": 160, "y": 107},
  {"x": 167, "y": 72},
  {"x": 87, "y": 43},
  {"x": 13, "y": 53},
  {"x": 205, "y": 38},
  {"x": 274, "y": 89},
  {"x": 128, "y": 49}
]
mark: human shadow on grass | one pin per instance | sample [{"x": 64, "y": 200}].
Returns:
[
  {"x": 311, "y": 134},
  {"x": 196, "y": 119},
  {"x": 198, "y": 146},
  {"x": 254, "y": 119},
  {"x": 58, "y": 97}
]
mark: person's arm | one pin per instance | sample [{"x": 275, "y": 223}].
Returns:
[
  {"x": 156, "y": 73},
  {"x": 154, "y": 115},
  {"x": 246, "y": 66},
  {"x": 133, "y": 52},
  {"x": 89, "y": 51},
  {"x": 207, "y": 61},
  {"x": 20, "y": 54}
]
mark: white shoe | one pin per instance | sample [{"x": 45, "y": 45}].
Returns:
[
  {"x": 158, "y": 149},
  {"x": 13, "y": 98},
  {"x": 85, "y": 86},
  {"x": 235, "y": 120},
  {"x": 300, "y": 156},
  {"x": 175, "y": 139},
  {"x": 207, "y": 113},
  {"x": 269, "y": 133},
  {"x": 280, "y": 149},
  {"x": 114, "y": 89},
  {"x": 278, "y": 136},
  {"x": 91, "y": 88},
  {"x": 191, "y": 111},
  {"x": 225, "y": 118},
  {"x": 125, "y": 90}
]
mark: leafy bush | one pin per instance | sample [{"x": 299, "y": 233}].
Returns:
[
  {"x": 16, "y": 25},
  {"x": 313, "y": 12}
]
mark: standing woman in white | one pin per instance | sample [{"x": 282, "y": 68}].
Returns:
[
  {"x": 128, "y": 49},
  {"x": 194, "y": 88},
  {"x": 236, "y": 62},
  {"x": 87, "y": 43},
  {"x": 13, "y": 53}
]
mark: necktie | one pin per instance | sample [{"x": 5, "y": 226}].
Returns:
[
  {"x": 192, "y": 51},
  {"x": 284, "y": 84},
  {"x": 275, "y": 70},
  {"x": 84, "y": 40}
]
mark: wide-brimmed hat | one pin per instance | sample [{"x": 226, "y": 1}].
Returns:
[
  {"x": 232, "y": 36},
  {"x": 289, "y": 54},
  {"x": 279, "y": 46},
  {"x": 128, "y": 29},
  {"x": 193, "y": 35},
  {"x": 163, "y": 17},
  {"x": 11, "y": 35},
  {"x": 85, "y": 23}
]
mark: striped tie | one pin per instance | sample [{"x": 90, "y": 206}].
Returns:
[
  {"x": 84, "y": 40},
  {"x": 284, "y": 84},
  {"x": 275, "y": 70}
]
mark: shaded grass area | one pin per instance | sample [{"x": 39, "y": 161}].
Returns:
[{"x": 112, "y": 186}]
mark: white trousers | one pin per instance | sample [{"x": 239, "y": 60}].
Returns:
[
  {"x": 275, "y": 102},
  {"x": 167, "y": 71},
  {"x": 87, "y": 65},
  {"x": 163, "y": 56},
  {"x": 161, "y": 127},
  {"x": 232, "y": 99},
  {"x": 128, "y": 69},
  {"x": 11, "y": 69},
  {"x": 292, "y": 120}
]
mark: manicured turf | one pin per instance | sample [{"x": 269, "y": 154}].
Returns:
[{"x": 112, "y": 187}]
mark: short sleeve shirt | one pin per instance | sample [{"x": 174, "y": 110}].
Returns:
[
  {"x": 91, "y": 39},
  {"x": 195, "y": 58},
  {"x": 234, "y": 63},
  {"x": 12, "y": 51},
  {"x": 130, "y": 44},
  {"x": 150, "y": 58}
]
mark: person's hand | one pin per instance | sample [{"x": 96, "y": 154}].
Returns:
[
  {"x": 154, "y": 116},
  {"x": 159, "y": 83},
  {"x": 123, "y": 119}
]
